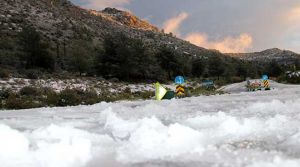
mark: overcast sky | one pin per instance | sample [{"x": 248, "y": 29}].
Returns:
[{"x": 226, "y": 25}]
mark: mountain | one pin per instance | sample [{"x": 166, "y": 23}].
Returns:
[
  {"x": 60, "y": 21},
  {"x": 280, "y": 56},
  {"x": 46, "y": 37}
]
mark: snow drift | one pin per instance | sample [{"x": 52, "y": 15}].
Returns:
[{"x": 245, "y": 129}]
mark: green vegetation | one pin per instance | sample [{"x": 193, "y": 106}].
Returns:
[
  {"x": 4, "y": 73},
  {"x": 29, "y": 97},
  {"x": 202, "y": 91},
  {"x": 120, "y": 57},
  {"x": 34, "y": 52}
]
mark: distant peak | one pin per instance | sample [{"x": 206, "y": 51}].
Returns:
[
  {"x": 126, "y": 18},
  {"x": 110, "y": 10},
  {"x": 274, "y": 50}
]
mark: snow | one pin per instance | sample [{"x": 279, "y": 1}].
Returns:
[
  {"x": 241, "y": 87},
  {"x": 239, "y": 129},
  {"x": 293, "y": 74},
  {"x": 16, "y": 84}
]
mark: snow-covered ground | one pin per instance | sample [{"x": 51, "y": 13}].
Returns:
[
  {"x": 57, "y": 85},
  {"x": 241, "y": 87},
  {"x": 256, "y": 129},
  {"x": 15, "y": 84}
]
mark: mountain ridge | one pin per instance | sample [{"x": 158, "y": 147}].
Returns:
[
  {"x": 60, "y": 20},
  {"x": 274, "y": 54}
]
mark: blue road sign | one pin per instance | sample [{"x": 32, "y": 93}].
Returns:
[
  {"x": 179, "y": 80},
  {"x": 265, "y": 77},
  {"x": 208, "y": 83}
]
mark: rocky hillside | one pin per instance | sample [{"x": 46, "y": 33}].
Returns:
[
  {"x": 278, "y": 55},
  {"x": 42, "y": 38},
  {"x": 60, "y": 21}
]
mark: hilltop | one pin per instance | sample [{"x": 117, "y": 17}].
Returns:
[
  {"x": 56, "y": 37},
  {"x": 284, "y": 57},
  {"x": 61, "y": 21}
]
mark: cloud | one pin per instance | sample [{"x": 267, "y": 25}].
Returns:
[
  {"x": 292, "y": 19},
  {"x": 293, "y": 14},
  {"x": 226, "y": 45},
  {"x": 101, "y": 4},
  {"x": 174, "y": 23}
]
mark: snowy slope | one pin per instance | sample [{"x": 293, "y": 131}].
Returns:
[{"x": 256, "y": 129}]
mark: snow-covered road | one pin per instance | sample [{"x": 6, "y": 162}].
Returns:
[
  {"x": 241, "y": 87},
  {"x": 257, "y": 129}
]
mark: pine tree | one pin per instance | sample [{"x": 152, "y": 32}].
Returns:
[
  {"x": 198, "y": 66},
  {"x": 215, "y": 66},
  {"x": 36, "y": 53}
]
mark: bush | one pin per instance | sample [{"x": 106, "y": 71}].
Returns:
[
  {"x": 201, "y": 91},
  {"x": 293, "y": 79},
  {"x": 236, "y": 79},
  {"x": 127, "y": 90},
  {"x": 4, "y": 93},
  {"x": 69, "y": 97},
  {"x": 4, "y": 73},
  {"x": 30, "y": 91},
  {"x": 14, "y": 101},
  {"x": 106, "y": 96},
  {"x": 145, "y": 95},
  {"x": 52, "y": 98},
  {"x": 90, "y": 97},
  {"x": 29, "y": 102},
  {"x": 33, "y": 74},
  {"x": 221, "y": 82}
]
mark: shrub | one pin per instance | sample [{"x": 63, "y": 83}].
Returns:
[
  {"x": 30, "y": 91},
  {"x": 127, "y": 90},
  {"x": 29, "y": 102},
  {"x": 236, "y": 79},
  {"x": 1, "y": 104},
  {"x": 52, "y": 98},
  {"x": 220, "y": 82},
  {"x": 123, "y": 96},
  {"x": 4, "y": 93},
  {"x": 4, "y": 73},
  {"x": 90, "y": 97},
  {"x": 16, "y": 102},
  {"x": 13, "y": 102},
  {"x": 106, "y": 96},
  {"x": 201, "y": 91},
  {"x": 33, "y": 74},
  {"x": 293, "y": 79},
  {"x": 145, "y": 94},
  {"x": 69, "y": 97}
]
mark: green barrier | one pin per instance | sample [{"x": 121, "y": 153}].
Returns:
[{"x": 169, "y": 95}]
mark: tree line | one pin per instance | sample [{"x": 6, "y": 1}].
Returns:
[{"x": 128, "y": 59}]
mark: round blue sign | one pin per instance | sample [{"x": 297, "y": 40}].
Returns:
[
  {"x": 265, "y": 77},
  {"x": 179, "y": 80}
]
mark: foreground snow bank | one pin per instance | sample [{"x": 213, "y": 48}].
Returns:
[{"x": 248, "y": 129}]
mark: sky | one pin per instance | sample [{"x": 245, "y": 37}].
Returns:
[{"x": 226, "y": 25}]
